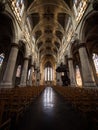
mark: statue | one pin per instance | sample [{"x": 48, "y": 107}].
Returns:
[{"x": 64, "y": 77}]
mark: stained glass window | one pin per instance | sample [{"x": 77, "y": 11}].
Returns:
[
  {"x": 48, "y": 74},
  {"x": 78, "y": 76},
  {"x": 1, "y": 59},
  {"x": 95, "y": 59},
  {"x": 18, "y": 72}
]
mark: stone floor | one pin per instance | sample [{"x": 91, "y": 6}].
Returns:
[{"x": 51, "y": 112}]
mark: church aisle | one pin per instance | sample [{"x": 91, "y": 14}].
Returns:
[{"x": 51, "y": 112}]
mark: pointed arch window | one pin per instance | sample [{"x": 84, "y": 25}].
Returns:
[
  {"x": 1, "y": 59},
  {"x": 78, "y": 76},
  {"x": 95, "y": 60},
  {"x": 48, "y": 72},
  {"x": 18, "y": 72},
  {"x": 29, "y": 72}
]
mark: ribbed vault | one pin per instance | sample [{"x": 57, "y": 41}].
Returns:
[{"x": 48, "y": 20}]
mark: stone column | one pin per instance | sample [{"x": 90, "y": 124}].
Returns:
[
  {"x": 71, "y": 72},
  {"x": 58, "y": 77},
  {"x": 59, "y": 81},
  {"x": 31, "y": 75},
  {"x": 87, "y": 74},
  {"x": 8, "y": 74},
  {"x": 23, "y": 81}
]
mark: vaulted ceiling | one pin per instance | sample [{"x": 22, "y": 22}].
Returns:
[{"x": 48, "y": 19}]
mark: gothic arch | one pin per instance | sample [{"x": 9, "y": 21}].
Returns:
[
  {"x": 13, "y": 26},
  {"x": 8, "y": 34},
  {"x": 84, "y": 24}
]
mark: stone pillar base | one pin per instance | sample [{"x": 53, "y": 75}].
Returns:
[
  {"x": 89, "y": 84},
  {"x": 22, "y": 85},
  {"x": 6, "y": 85},
  {"x": 73, "y": 85},
  {"x": 30, "y": 85}
]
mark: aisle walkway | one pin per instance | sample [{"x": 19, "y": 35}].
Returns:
[{"x": 51, "y": 112}]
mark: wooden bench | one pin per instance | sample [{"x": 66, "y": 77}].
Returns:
[
  {"x": 4, "y": 122},
  {"x": 84, "y": 100}
]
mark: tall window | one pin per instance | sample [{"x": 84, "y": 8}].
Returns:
[
  {"x": 20, "y": 6},
  {"x": 95, "y": 59},
  {"x": 48, "y": 74},
  {"x": 18, "y": 72},
  {"x": 29, "y": 74},
  {"x": 1, "y": 59},
  {"x": 78, "y": 76}
]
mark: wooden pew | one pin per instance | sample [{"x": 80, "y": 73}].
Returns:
[
  {"x": 84, "y": 100},
  {"x": 4, "y": 123},
  {"x": 15, "y": 101}
]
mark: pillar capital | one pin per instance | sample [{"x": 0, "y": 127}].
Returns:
[
  {"x": 81, "y": 45},
  {"x": 32, "y": 65},
  {"x": 69, "y": 58},
  {"x": 26, "y": 58},
  {"x": 15, "y": 45}
]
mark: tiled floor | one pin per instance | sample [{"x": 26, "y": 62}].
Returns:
[{"x": 51, "y": 112}]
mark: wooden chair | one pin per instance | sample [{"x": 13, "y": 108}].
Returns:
[{"x": 4, "y": 124}]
